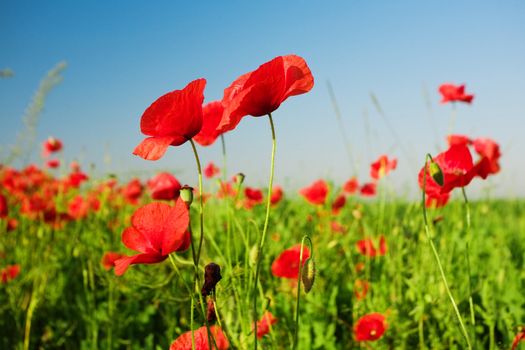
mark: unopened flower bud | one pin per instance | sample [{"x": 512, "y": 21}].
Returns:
[
  {"x": 436, "y": 173},
  {"x": 186, "y": 194},
  {"x": 212, "y": 276},
  {"x": 308, "y": 274}
]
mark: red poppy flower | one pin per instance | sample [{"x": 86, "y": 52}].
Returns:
[
  {"x": 211, "y": 117},
  {"x": 458, "y": 140},
  {"x": 370, "y": 327},
  {"x": 109, "y": 258},
  {"x": 361, "y": 288},
  {"x": 132, "y": 191},
  {"x": 75, "y": 179},
  {"x": 211, "y": 170},
  {"x": 12, "y": 224},
  {"x": 4, "y": 209},
  {"x": 79, "y": 207},
  {"x": 262, "y": 91},
  {"x": 183, "y": 342},
  {"x": 351, "y": 185},
  {"x": 164, "y": 186},
  {"x": 368, "y": 189},
  {"x": 338, "y": 204},
  {"x": 172, "y": 119},
  {"x": 382, "y": 166},
  {"x": 263, "y": 325},
  {"x": 337, "y": 227},
  {"x": 277, "y": 195},
  {"x": 454, "y": 93},
  {"x": 51, "y": 145},
  {"x": 490, "y": 153},
  {"x": 157, "y": 229},
  {"x": 518, "y": 338},
  {"x": 226, "y": 190},
  {"x": 315, "y": 193},
  {"x": 287, "y": 264},
  {"x": 9, "y": 273},
  {"x": 53, "y": 163},
  {"x": 457, "y": 167},
  {"x": 367, "y": 247},
  {"x": 253, "y": 196}
]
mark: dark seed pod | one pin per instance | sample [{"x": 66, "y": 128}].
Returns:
[
  {"x": 308, "y": 274},
  {"x": 212, "y": 276}
]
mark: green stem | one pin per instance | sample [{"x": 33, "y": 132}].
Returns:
[
  {"x": 224, "y": 173},
  {"x": 438, "y": 260},
  {"x": 201, "y": 201},
  {"x": 297, "y": 303},
  {"x": 265, "y": 229},
  {"x": 467, "y": 255}
]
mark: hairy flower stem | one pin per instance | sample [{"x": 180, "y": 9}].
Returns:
[
  {"x": 297, "y": 303},
  {"x": 436, "y": 256},
  {"x": 201, "y": 201},
  {"x": 467, "y": 255},
  {"x": 224, "y": 159},
  {"x": 263, "y": 236}
]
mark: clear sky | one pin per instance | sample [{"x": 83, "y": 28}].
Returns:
[{"x": 122, "y": 55}]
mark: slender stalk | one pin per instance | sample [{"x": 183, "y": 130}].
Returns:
[
  {"x": 438, "y": 260},
  {"x": 265, "y": 230},
  {"x": 201, "y": 201},
  {"x": 467, "y": 255},
  {"x": 224, "y": 163},
  {"x": 298, "y": 300}
]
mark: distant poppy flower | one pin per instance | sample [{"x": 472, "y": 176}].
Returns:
[
  {"x": 51, "y": 145},
  {"x": 366, "y": 247},
  {"x": 9, "y": 273},
  {"x": 262, "y": 91},
  {"x": 518, "y": 338},
  {"x": 164, "y": 186},
  {"x": 253, "y": 196},
  {"x": 368, "y": 189},
  {"x": 263, "y": 325},
  {"x": 351, "y": 185},
  {"x": 109, "y": 258},
  {"x": 277, "y": 195},
  {"x": 490, "y": 153},
  {"x": 338, "y": 204},
  {"x": 183, "y": 342},
  {"x": 315, "y": 193},
  {"x": 382, "y": 166},
  {"x": 361, "y": 288},
  {"x": 172, "y": 119},
  {"x": 53, "y": 163},
  {"x": 211, "y": 117},
  {"x": 132, "y": 191},
  {"x": 211, "y": 170},
  {"x": 79, "y": 207},
  {"x": 75, "y": 179},
  {"x": 370, "y": 327},
  {"x": 4, "y": 209},
  {"x": 458, "y": 140},
  {"x": 337, "y": 227},
  {"x": 286, "y": 265},
  {"x": 157, "y": 229},
  {"x": 454, "y": 93},
  {"x": 226, "y": 190}
]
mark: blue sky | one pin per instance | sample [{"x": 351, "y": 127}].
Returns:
[{"x": 122, "y": 55}]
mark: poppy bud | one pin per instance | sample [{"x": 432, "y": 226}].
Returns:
[
  {"x": 308, "y": 274},
  {"x": 186, "y": 194},
  {"x": 254, "y": 255},
  {"x": 212, "y": 276},
  {"x": 436, "y": 173},
  {"x": 239, "y": 178}
]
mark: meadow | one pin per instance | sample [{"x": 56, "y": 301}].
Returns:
[{"x": 336, "y": 266}]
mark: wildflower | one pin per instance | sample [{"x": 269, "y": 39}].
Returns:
[
  {"x": 454, "y": 93},
  {"x": 351, "y": 185},
  {"x": 277, "y": 195},
  {"x": 361, "y": 288},
  {"x": 183, "y": 342},
  {"x": 370, "y": 327},
  {"x": 366, "y": 247},
  {"x": 9, "y": 273},
  {"x": 368, "y": 189},
  {"x": 51, "y": 145},
  {"x": 172, "y": 119},
  {"x": 263, "y": 325},
  {"x": 109, "y": 258},
  {"x": 53, "y": 163},
  {"x": 338, "y": 204},
  {"x": 262, "y": 91},
  {"x": 211, "y": 117},
  {"x": 132, "y": 191},
  {"x": 382, "y": 166},
  {"x": 211, "y": 170},
  {"x": 254, "y": 196},
  {"x": 286, "y": 265},
  {"x": 518, "y": 338},
  {"x": 316, "y": 193},
  {"x": 164, "y": 186}
]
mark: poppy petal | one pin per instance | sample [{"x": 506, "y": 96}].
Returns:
[
  {"x": 122, "y": 264},
  {"x": 153, "y": 148}
]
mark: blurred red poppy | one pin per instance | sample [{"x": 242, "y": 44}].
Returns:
[
  {"x": 4, "y": 209},
  {"x": 286, "y": 265},
  {"x": 172, "y": 119},
  {"x": 368, "y": 189},
  {"x": 253, "y": 196},
  {"x": 315, "y": 193},
  {"x": 518, "y": 338},
  {"x": 490, "y": 153},
  {"x": 211, "y": 170},
  {"x": 367, "y": 247},
  {"x": 382, "y": 166},
  {"x": 277, "y": 195},
  {"x": 351, "y": 185},
  {"x": 361, "y": 288},
  {"x": 338, "y": 204},
  {"x": 263, "y": 325},
  {"x": 454, "y": 93},
  {"x": 370, "y": 327},
  {"x": 9, "y": 273},
  {"x": 79, "y": 207},
  {"x": 132, "y": 191},
  {"x": 51, "y": 145},
  {"x": 53, "y": 163},
  {"x": 262, "y": 91},
  {"x": 164, "y": 186},
  {"x": 458, "y": 140},
  {"x": 211, "y": 117},
  {"x": 109, "y": 258},
  {"x": 157, "y": 229},
  {"x": 183, "y": 342}
]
